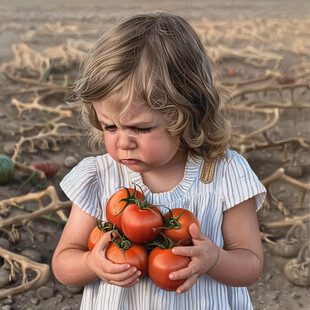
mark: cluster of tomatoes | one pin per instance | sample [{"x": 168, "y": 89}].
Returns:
[{"x": 143, "y": 237}]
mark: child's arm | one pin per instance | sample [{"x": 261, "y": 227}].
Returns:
[
  {"x": 239, "y": 263},
  {"x": 73, "y": 264}
]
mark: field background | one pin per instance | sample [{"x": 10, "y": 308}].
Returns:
[{"x": 260, "y": 51}]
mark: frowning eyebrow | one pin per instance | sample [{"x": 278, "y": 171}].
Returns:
[{"x": 137, "y": 124}]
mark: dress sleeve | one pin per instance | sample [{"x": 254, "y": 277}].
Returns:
[
  {"x": 240, "y": 183},
  {"x": 81, "y": 186}
]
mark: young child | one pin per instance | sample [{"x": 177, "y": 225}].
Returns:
[{"x": 146, "y": 90}]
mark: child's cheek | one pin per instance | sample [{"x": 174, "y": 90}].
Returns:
[{"x": 111, "y": 146}]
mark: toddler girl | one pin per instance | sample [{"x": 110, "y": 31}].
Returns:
[{"x": 146, "y": 90}]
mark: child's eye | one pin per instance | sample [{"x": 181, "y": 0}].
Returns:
[
  {"x": 110, "y": 128},
  {"x": 143, "y": 130}
]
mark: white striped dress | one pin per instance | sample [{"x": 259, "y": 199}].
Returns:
[{"x": 90, "y": 184}]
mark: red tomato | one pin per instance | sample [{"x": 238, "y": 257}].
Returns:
[
  {"x": 286, "y": 80},
  {"x": 179, "y": 224},
  {"x": 135, "y": 256},
  {"x": 161, "y": 263},
  {"x": 97, "y": 233},
  {"x": 138, "y": 222},
  {"x": 231, "y": 72},
  {"x": 50, "y": 168},
  {"x": 116, "y": 204}
]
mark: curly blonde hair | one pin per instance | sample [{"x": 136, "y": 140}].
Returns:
[{"x": 156, "y": 58}]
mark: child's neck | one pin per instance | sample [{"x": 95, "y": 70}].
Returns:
[{"x": 165, "y": 179}]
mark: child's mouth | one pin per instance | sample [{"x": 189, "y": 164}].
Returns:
[{"x": 129, "y": 161}]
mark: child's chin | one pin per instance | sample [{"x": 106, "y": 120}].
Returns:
[{"x": 134, "y": 168}]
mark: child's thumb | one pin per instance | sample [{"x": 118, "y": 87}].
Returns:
[
  {"x": 103, "y": 241},
  {"x": 195, "y": 232}
]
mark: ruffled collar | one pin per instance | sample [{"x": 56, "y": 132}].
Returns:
[{"x": 191, "y": 172}]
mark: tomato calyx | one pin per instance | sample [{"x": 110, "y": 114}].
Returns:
[
  {"x": 121, "y": 242},
  {"x": 104, "y": 226},
  {"x": 167, "y": 243},
  {"x": 142, "y": 203},
  {"x": 171, "y": 222},
  {"x": 97, "y": 232},
  {"x": 130, "y": 199}
]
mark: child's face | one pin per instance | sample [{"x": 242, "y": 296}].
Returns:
[{"x": 137, "y": 138}]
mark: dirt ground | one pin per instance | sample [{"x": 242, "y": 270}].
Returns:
[{"x": 261, "y": 54}]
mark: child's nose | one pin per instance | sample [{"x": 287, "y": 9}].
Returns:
[{"x": 125, "y": 141}]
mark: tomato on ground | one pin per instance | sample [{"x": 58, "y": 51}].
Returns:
[
  {"x": 50, "y": 168},
  {"x": 231, "y": 72}
]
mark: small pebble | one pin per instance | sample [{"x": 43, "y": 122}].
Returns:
[
  {"x": 12, "y": 126},
  {"x": 6, "y": 307},
  {"x": 274, "y": 295},
  {"x": 45, "y": 292},
  {"x": 261, "y": 301},
  {"x": 294, "y": 171},
  {"x": 35, "y": 300},
  {"x": 268, "y": 276},
  {"x": 32, "y": 254},
  {"x": 7, "y": 301},
  {"x": 295, "y": 295},
  {"x": 5, "y": 243},
  {"x": 59, "y": 297},
  {"x": 9, "y": 148},
  {"x": 4, "y": 277},
  {"x": 74, "y": 289},
  {"x": 252, "y": 292},
  {"x": 70, "y": 162},
  {"x": 67, "y": 307}
]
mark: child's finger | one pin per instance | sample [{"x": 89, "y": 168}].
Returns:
[
  {"x": 187, "y": 285},
  {"x": 120, "y": 276},
  {"x": 107, "y": 266},
  {"x": 113, "y": 268},
  {"x": 190, "y": 251},
  {"x": 196, "y": 233},
  {"x": 103, "y": 241},
  {"x": 128, "y": 281},
  {"x": 126, "y": 285},
  {"x": 185, "y": 273}
]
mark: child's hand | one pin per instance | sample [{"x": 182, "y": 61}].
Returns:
[
  {"x": 117, "y": 274},
  {"x": 204, "y": 256}
]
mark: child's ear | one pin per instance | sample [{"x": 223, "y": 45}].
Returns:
[{"x": 181, "y": 141}]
